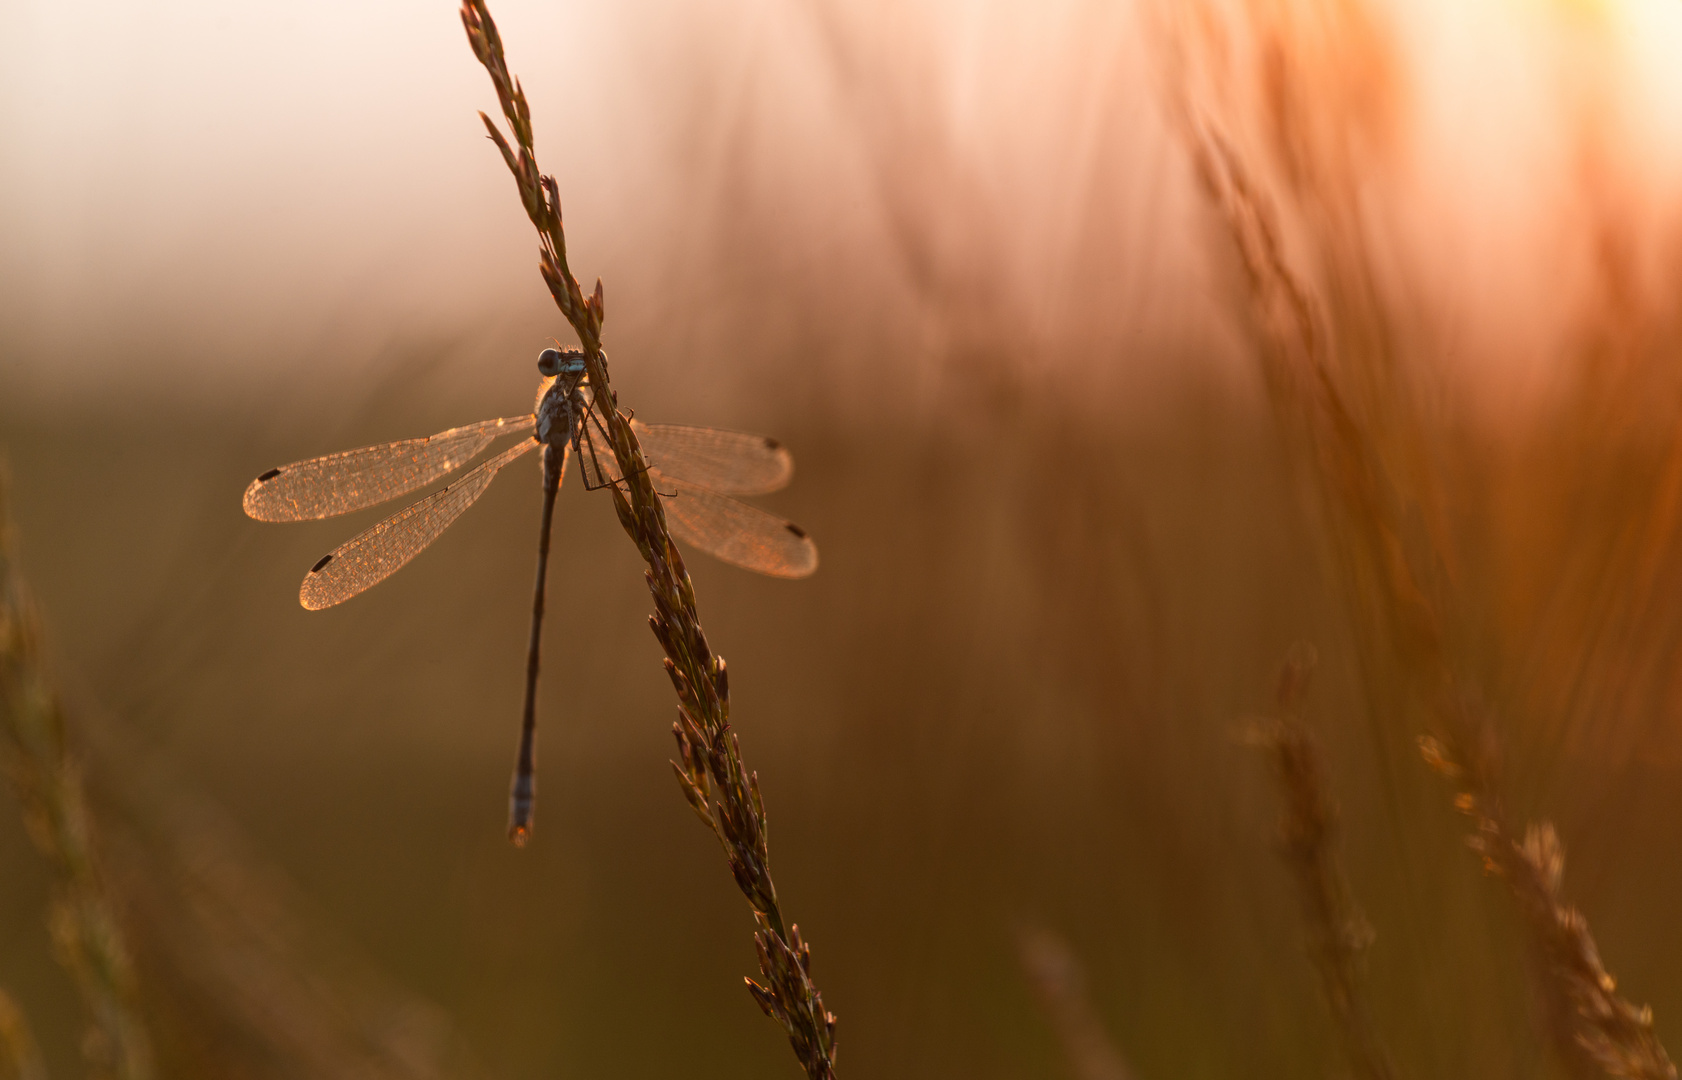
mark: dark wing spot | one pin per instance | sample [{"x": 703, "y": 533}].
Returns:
[
  {"x": 795, "y": 529},
  {"x": 772, "y": 444},
  {"x": 270, "y": 475},
  {"x": 325, "y": 559}
]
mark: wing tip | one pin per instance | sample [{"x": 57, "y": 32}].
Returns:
[
  {"x": 309, "y": 597},
  {"x": 807, "y": 568},
  {"x": 250, "y": 502},
  {"x": 263, "y": 502}
]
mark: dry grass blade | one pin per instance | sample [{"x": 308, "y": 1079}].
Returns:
[
  {"x": 1060, "y": 985},
  {"x": 48, "y": 782},
  {"x": 1337, "y": 932},
  {"x": 718, "y": 785}
]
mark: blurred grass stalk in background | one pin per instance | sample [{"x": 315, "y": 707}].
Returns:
[
  {"x": 1059, "y": 982},
  {"x": 20, "y": 1057},
  {"x": 1337, "y": 931},
  {"x": 47, "y": 779},
  {"x": 1288, "y": 144},
  {"x": 233, "y": 977}
]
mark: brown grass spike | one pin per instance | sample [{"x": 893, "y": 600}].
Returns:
[
  {"x": 1416, "y": 603},
  {"x": 710, "y": 769},
  {"x": 1337, "y": 932},
  {"x": 1616, "y": 1035}
]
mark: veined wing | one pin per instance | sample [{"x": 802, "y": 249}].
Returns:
[
  {"x": 353, "y": 479},
  {"x": 735, "y": 532},
  {"x": 380, "y": 552},
  {"x": 729, "y": 462}
]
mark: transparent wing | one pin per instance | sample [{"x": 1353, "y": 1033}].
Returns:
[
  {"x": 339, "y": 483},
  {"x": 380, "y": 552},
  {"x": 731, "y": 530},
  {"x": 730, "y": 462}
]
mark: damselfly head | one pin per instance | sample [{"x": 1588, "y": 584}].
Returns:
[{"x": 556, "y": 361}]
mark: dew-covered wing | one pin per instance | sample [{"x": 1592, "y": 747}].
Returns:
[
  {"x": 730, "y": 462},
  {"x": 735, "y": 532},
  {"x": 380, "y": 552},
  {"x": 353, "y": 479}
]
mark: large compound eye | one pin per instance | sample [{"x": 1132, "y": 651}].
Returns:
[{"x": 549, "y": 362}]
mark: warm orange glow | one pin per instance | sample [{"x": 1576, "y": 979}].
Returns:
[
  {"x": 247, "y": 191},
  {"x": 1121, "y": 345}
]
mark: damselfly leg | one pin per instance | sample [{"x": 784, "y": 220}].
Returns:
[{"x": 599, "y": 465}]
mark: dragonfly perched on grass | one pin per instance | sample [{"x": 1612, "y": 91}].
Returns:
[{"x": 698, "y": 472}]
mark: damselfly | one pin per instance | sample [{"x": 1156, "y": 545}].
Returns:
[{"x": 696, "y": 470}]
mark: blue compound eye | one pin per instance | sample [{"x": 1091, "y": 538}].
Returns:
[{"x": 549, "y": 362}]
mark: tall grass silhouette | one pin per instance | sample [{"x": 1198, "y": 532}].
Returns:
[{"x": 710, "y": 770}]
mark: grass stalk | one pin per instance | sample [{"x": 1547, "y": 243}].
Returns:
[
  {"x": 1388, "y": 548},
  {"x": 1059, "y": 982},
  {"x": 710, "y": 770},
  {"x": 1337, "y": 931},
  {"x": 1585, "y": 1014},
  {"x": 45, "y": 774}
]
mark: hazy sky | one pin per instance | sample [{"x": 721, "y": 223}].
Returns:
[{"x": 228, "y": 191}]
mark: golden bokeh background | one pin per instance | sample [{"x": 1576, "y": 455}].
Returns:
[{"x": 956, "y": 256}]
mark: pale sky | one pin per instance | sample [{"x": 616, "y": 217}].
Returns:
[{"x": 240, "y": 193}]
